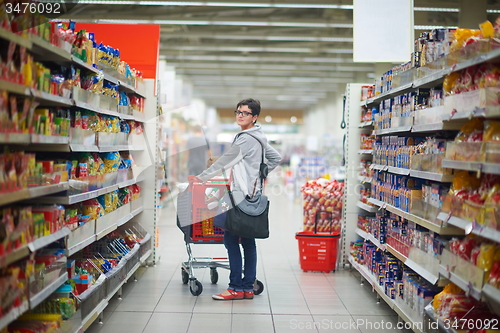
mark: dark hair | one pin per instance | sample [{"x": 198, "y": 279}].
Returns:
[{"x": 252, "y": 104}]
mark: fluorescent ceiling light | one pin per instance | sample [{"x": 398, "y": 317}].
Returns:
[
  {"x": 493, "y": 11},
  {"x": 433, "y": 9},
  {"x": 430, "y": 27},
  {"x": 240, "y": 49},
  {"x": 208, "y": 4},
  {"x": 256, "y": 59},
  {"x": 221, "y": 23}
]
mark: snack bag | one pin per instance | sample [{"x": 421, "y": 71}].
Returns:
[
  {"x": 111, "y": 162},
  {"x": 92, "y": 208},
  {"x": 472, "y": 131},
  {"x": 485, "y": 259}
]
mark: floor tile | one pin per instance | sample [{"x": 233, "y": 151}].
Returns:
[
  {"x": 292, "y": 300},
  {"x": 246, "y": 323}
]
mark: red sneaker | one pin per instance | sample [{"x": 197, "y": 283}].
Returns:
[
  {"x": 248, "y": 294},
  {"x": 229, "y": 295}
]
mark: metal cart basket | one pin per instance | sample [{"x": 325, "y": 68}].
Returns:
[{"x": 196, "y": 222}]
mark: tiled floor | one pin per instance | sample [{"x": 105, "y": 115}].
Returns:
[{"x": 292, "y": 300}]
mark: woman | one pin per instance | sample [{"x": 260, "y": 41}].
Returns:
[{"x": 245, "y": 155}]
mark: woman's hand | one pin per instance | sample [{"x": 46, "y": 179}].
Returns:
[{"x": 194, "y": 179}]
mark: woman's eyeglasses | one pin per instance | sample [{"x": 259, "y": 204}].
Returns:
[{"x": 244, "y": 113}]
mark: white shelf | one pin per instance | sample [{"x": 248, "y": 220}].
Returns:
[
  {"x": 105, "y": 149},
  {"x": 370, "y": 237},
  {"x": 83, "y": 148},
  {"x": 40, "y": 191},
  {"x": 417, "y": 219},
  {"x": 48, "y": 51},
  {"x": 368, "y": 208},
  {"x": 130, "y": 216},
  {"x": 49, "y": 139},
  {"x": 89, "y": 319},
  {"x": 15, "y": 138},
  {"x": 461, "y": 283},
  {"x": 390, "y": 302},
  {"x": 44, "y": 241},
  {"x": 84, "y": 64},
  {"x": 401, "y": 129},
  {"x": 441, "y": 126},
  {"x": 38, "y": 298},
  {"x": 80, "y": 246},
  {"x": 365, "y": 124},
  {"x": 492, "y": 168},
  {"x": 15, "y": 88},
  {"x": 398, "y": 171},
  {"x": 417, "y": 268},
  {"x": 396, "y": 253},
  {"x": 364, "y": 179},
  {"x": 76, "y": 198},
  {"x": 12, "y": 37},
  {"x": 492, "y": 295},
  {"x": 438, "y": 177},
  {"x": 471, "y": 227},
  {"x": 13, "y": 314},
  {"x": 365, "y": 151},
  {"x": 49, "y": 99},
  {"x": 379, "y": 167}
]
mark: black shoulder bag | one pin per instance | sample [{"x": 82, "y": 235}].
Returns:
[{"x": 249, "y": 217}]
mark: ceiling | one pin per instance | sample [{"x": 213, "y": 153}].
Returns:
[{"x": 289, "y": 54}]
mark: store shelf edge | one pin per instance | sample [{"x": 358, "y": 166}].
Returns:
[
  {"x": 44, "y": 241},
  {"x": 461, "y": 283},
  {"x": 13, "y": 314},
  {"x": 42, "y": 295},
  {"x": 12, "y": 37}
]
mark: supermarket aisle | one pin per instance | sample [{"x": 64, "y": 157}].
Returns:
[{"x": 292, "y": 300}]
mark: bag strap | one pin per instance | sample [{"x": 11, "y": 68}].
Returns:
[
  {"x": 262, "y": 159},
  {"x": 229, "y": 187}
]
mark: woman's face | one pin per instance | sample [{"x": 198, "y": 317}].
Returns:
[{"x": 245, "y": 122}]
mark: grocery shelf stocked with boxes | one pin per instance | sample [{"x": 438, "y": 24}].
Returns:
[
  {"x": 429, "y": 209},
  {"x": 72, "y": 127}
]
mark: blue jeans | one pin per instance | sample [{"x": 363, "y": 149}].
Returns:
[{"x": 237, "y": 281}]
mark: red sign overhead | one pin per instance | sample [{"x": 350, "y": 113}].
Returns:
[{"x": 139, "y": 44}]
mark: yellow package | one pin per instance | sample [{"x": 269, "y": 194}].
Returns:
[
  {"x": 487, "y": 30},
  {"x": 492, "y": 131},
  {"x": 450, "y": 82},
  {"x": 485, "y": 259},
  {"x": 473, "y": 125}
]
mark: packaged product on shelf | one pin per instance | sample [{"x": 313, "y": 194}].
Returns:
[
  {"x": 454, "y": 305},
  {"x": 322, "y": 205},
  {"x": 54, "y": 217},
  {"x": 135, "y": 191}
]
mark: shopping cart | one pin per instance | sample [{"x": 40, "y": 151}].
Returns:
[{"x": 196, "y": 222}]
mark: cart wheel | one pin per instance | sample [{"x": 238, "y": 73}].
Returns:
[
  {"x": 185, "y": 276},
  {"x": 214, "y": 275},
  {"x": 258, "y": 287},
  {"x": 196, "y": 288}
]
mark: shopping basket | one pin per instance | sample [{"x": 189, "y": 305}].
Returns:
[
  {"x": 196, "y": 222},
  {"x": 318, "y": 251}
]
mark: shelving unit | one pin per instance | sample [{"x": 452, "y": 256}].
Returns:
[
  {"x": 444, "y": 224},
  {"x": 370, "y": 278},
  {"x": 471, "y": 227},
  {"x": 439, "y": 228},
  {"x": 77, "y": 239},
  {"x": 368, "y": 208}
]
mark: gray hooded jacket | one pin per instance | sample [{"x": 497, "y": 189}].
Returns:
[{"x": 245, "y": 148}]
